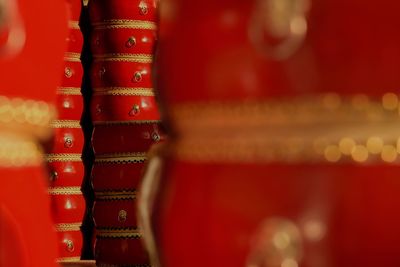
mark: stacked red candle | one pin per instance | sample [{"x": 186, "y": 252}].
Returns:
[
  {"x": 64, "y": 160},
  {"x": 126, "y": 122}
]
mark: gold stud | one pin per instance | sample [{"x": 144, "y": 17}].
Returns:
[
  {"x": 135, "y": 110},
  {"x": 68, "y": 72},
  {"x": 122, "y": 216},
  {"x": 156, "y": 137},
  {"x": 131, "y": 42},
  {"x": 70, "y": 245},
  {"x": 143, "y": 9},
  {"x": 68, "y": 142},
  {"x": 53, "y": 176},
  {"x": 137, "y": 77}
]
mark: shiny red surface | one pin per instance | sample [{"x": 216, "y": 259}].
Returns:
[
  {"x": 74, "y": 80},
  {"x": 120, "y": 74},
  {"x": 122, "y": 108},
  {"x": 104, "y": 41},
  {"x": 67, "y": 208},
  {"x": 26, "y": 233},
  {"x": 69, "y": 107},
  {"x": 120, "y": 251},
  {"x": 74, "y": 41},
  {"x": 117, "y": 177},
  {"x": 74, "y": 9},
  {"x": 124, "y": 9},
  {"x": 68, "y": 140},
  {"x": 105, "y": 213},
  {"x": 126, "y": 138},
  {"x": 68, "y": 173},
  {"x": 76, "y": 238}
]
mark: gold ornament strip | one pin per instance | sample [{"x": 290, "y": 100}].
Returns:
[
  {"x": 121, "y": 158},
  {"x": 72, "y": 57},
  {"x": 18, "y": 152},
  {"x": 311, "y": 129},
  {"x": 57, "y": 124},
  {"x": 123, "y": 233},
  {"x": 115, "y": 195},
  {"x": 74, "y": 25},
  {"x": 123, "y": 91},
  {"x": 68, "y": 259},
  {"x": 69, "y": 91},
  {"x": 73, "y": 190},
  {"x": 68, "y": 227},
  {"x": 111, "y": 123},
  {"x": 125, "y": 24},
  {"x": 63, "y": 157},
  {"x": 118, "y": 57}
]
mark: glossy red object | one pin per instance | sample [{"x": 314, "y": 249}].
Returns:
[
  {"x": 124, "y": 176},
  {"x": 120, "y": 74},
  {"x": 68, "y": 208},
  {"x": 72, "y": 74},
  {"x": 69, "y": 107},
  {"x": 68, "y": 140},
  {"x": 75, "y": 38},
  {"x": 119, "y": 213},
  {"x": 137, "y": 137},
  {"x": 66, "y": 173},
  {"x": 118, "y": 251},
  {"x": 74, "y": 9},
  {"x": 124, "y": 40},
  {"x": 144, "y": 10},
  {"x": 124, "y": 108},
  {"x": 70, "y": 244}
]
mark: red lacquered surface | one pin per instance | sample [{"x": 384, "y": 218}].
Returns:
[
  {"x": 120, "y": 74},
  {"x": 117, "y": 177},
  {"x": 115, "y": 213},
  {"x": 138, "y": 137},
  {"x": 74, "y": 39},
  {"x": 68, "y": 140},
  {"x": 125, "y": 40},
  {"x": 69, "y": 107},
  {"x": 124, "y": 108},
  {"x": 66, "y": 173},
  {"x": 120, "y": 251},
  {"x": 68, "y": 208},
  {"x": 73, "y": 73},
  {"x": 70, "y": 244},
  {"x": 74, "y": 9},
  {"x": 125, "y": 9}
]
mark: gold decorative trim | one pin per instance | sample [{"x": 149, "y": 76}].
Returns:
[
  {"x": 68, "y": 259},
  {"x": 72, "y": 190},
  {"x": 110, "y": 123},
  {"x": 305, "y": 129},
  {"x": 69, "y": 91},
  {"x": 123, "y": 91},
  {"x": 72, "y": 57},
  {"x": 18, "y": 152},
  {"x": 63, "y": 157},
  {"x": 120, "y": 158},
  {"x": 25, "y": 115},
  {"x": 118, "y": 233},
  {"x": 57, "y": 124},
  {"x": 119, "y": 57},
  {"x": 74, "y": 25},
  {"x": 68, "y": 227},
  {"x": 115, "y": 195},
  {"x": 125, "y": 24}
]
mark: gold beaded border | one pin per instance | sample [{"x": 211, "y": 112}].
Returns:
[
  {"x": 68, "y": 259},
  {"x": 120, "y": 158},
  {"x": 72, "y": 57},
  {"x": 125, "y": 24},
  {"x": 63, "y": 157},
  {"x": 68, "y": 227},
  {"x": 111, "y": 123},
  {"x": 57, "y": 124},
  {"x": 69, "y": 91},
  {"x": 73, "y": 24},
  {"x": 72, "y": 190},
  {"x": 119, "y": 233},
  {"x": 119, "y": 57},
  {"x": 115, "y": 195},
  {"x": 123, "y": 91}
]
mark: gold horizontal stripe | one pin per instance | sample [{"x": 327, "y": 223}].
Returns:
[
  {"x": 67, "y": 227},
  {"x": 65, "y": 124},
  {"x": 69, "y": 260},
  {"x": 125, "y": 24},
  {"x": 123, "y": 91},
  {"x": 118, "y": 234},
  {"x": 69, "y": 91},
  {"x": 72, "y": 24},
  {"x": 115, "y": 196},
  {"x": 115, "y": 158},
  {"x": 73, "y": 190},
  {"x": 110, "y": 123},
  {"x": 72, "y": 57},
  {"x": 63, "y": 157},
  {"x": 139, "y": 58}
]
